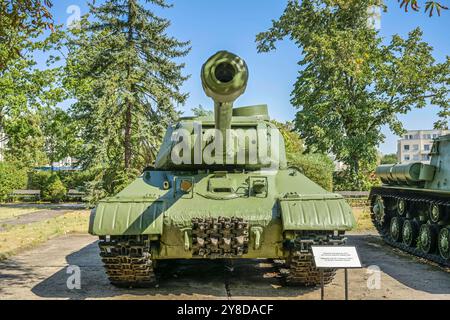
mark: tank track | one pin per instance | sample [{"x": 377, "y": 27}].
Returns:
[
  {"x": 222, "y": 237},
  {"x": 413, "y": 197},
  {"x": 127, "y": 261},
  {"x": 302, "y": 270}
]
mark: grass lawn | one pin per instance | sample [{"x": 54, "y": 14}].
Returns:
[
  {"x": 363, "y": 221},
  {"x": 8, "y": 213},
  {"x": 19, "y": 237}
]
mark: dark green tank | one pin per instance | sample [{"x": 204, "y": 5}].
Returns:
[
  {"x": 210, "y": 199},
  {"x": 411, "y": 210}
]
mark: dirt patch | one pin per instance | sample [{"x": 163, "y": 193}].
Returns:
[{"x": 42, "y": 273}]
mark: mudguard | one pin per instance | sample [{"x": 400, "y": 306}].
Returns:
[
  {"x": 127, "y": 218},
  {"x": 321, "y": 212}
]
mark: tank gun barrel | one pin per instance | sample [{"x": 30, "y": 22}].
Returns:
[{"x": 224, "y": 78}]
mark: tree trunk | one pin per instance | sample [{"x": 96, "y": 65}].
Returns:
[
  {"x": 127, "y": 142},
  {"x": 356, "y": 165},
  {"x": 129, "y": 104}
]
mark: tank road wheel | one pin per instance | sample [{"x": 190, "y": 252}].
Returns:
[
  {"x": 395, "y": 228},
  {"x": 410, "y": 232},
  {"x": 435, "y": 213},
  {"x": 444, "y": 243},
  {"x": 127, "y": 262},
  {"x": 427, "y": 238},
  {"x": 303, "y": 272},
  {"x": 379, "y": 211},
  {"x": 401, "y": 207}
]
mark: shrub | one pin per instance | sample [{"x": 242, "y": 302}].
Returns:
[
  {"x": 76, "y": 179},
  {"x": 54, "y": 190},
  {"x": 38, "y": 180},
  {"x": 349, "y": 181},
  {"x": 317, "y": 167},
  {"x": 11, "y": 177}
]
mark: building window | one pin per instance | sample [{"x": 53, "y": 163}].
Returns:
[
  {"x": 406, "y": 137},
  {"x": 406, "y": 157},
  {"x": 415, "y": 147},
  {"x": 435, "y": 135},
  {"x": 416, "y": 157},
  {"x": 406, "y": 147},
  {"x": 427, "y": 136},
  {"x": 425, "y": 157},
  {"x": 426, "y": 147}
]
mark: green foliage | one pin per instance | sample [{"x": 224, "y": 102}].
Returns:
[
  {"x": 38, "y": 180},
  {"x": 20, "y": 19},
  {"x": 200, "y": 111},
  {"x": 27, "y": 92},
  {"x": 11, "y": 177},
  {"x": 121, "y": 69},
  {"x": 430, "y": 6},
  {"x": 54, "y": 189},
  {"x": 317, "y": 167},
  {"x": 76, "y": 179},
  {"x": 349, "y": 181},
  {"x": 108, "y": 182},
  {"x": 51, "y": 186},
  {"x": 60, "y": 135},
  {"x": 292, "y": 141},
  {"x": 389, "y": 158},
  {"x": 351, "y": 84}
]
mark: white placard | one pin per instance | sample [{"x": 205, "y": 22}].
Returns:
[{"x": 336, "y": 257}]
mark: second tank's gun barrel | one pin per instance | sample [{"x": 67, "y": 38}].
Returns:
[{"x": 224, "y": 79}]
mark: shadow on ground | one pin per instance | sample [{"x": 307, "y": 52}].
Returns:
[
  {"x": 176, "y": 279},
  {"x": 195, "y": 279}
]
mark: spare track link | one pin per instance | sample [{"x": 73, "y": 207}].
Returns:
[
  {"x": 127, "y": 261},
  {"x": 222, "y": 237},
  {"x": 384, "y": 232}
]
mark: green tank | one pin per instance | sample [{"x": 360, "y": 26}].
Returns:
[
  {"x": 220, "y": 188},
  {"x": 411, "y": 210}
]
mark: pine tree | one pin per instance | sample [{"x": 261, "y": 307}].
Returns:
[{"x": 123, "y": 71}]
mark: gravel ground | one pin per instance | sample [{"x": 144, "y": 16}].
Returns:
[{"x": 42, "y": 273}]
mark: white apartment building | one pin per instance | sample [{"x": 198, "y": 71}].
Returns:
[{"x": 416, "y": 145}]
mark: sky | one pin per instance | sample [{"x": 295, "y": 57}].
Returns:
[{"x": 213, "y": 25}]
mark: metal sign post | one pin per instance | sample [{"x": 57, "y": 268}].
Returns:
[{"x": 335, "y": 257}]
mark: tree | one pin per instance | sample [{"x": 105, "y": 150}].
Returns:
[
  {"x": 18, "y": 20},
  {"x": 60, "y": 135},
  {"x": 25, "y": 91},
  {"x": 389, "y": 158},
  {"x": 350, "y": 83},
  {"x": 123, "y": 72}
]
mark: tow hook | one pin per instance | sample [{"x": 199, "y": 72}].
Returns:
[
  {"x": 257, "y": 231},
  {"x": 187, "y": 241}
]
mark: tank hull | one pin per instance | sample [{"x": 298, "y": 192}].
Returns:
[
  {"x": 269, "y": 219},
  {"x": 145, "y": 223}
]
